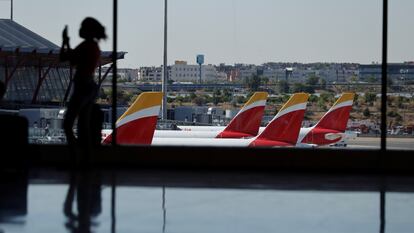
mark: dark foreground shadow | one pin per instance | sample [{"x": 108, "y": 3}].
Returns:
[{"x": 85, "y": 187}]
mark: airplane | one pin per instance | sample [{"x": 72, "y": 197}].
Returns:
[
  {"x": 331, "y": 127},
  {"x": 329, "y": 130},
  {"x": 137, "y": 124},
  {"x": 283, "y": 130},
  {"x": 245, "y": 124}
]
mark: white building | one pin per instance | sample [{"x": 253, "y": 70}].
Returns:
[
  {"x": 150, "y": 74},
  {"x": 182, "y": 72},
  {"x": 124, "y": 74}
]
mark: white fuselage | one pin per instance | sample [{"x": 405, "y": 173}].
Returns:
[
  {"x": 185, "y": 134},
  {"x": 205, "y": 132},
  {"x": 201, "y": 128},
  {"x": 201, "y": 142}
]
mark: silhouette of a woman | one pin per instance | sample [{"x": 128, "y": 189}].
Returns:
[{"x": 85, "y": 58}]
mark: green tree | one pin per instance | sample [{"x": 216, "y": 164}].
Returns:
[
  {"x": 311, "y": 82},
  {"x": 354, "y": 79},
  {"x": 313, "y": 99},
  {"x": 327, "y": 97},
  {"x": 393, "y": 114},
  {"x": 390, "y": 82},
  {"x": 299, "y": 87},
  {"x": 124, "y": 97},
  {"x": 105, "y": 93},
  {"x": 285, "y": 98},
  {"x": 283, "y": 86},
  {"x": 399, "y": 120},
  {"x": 240, "y": 100},
  {"x": 254, "y": 82},
  {"x": 192, "y": 96},
  {"x": 371, "y": 79},
  {"x": 323, "y": 84},
  {"x": 356, "y": 100},
  {"x": 199, "y": 101},
  {"x": 217, "y": 97},
  {"x": 366, "y": 112},
  {"x": 179, "y": 100},
  {"x": 321, "y": 104},
  {"x": 265, "y": 80},
  {"x": 226, "y": 95},
  {"x": 370, "y": 98}
]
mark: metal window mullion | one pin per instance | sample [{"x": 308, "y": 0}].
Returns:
[
  {"x": 383, "y": 154},
  {"x": 114, "y": 71},
  {"x": 384, "y": 76},
  {"x": 60, "y": 83}
]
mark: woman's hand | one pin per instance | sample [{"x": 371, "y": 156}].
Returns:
[
  {"x": 65, "y": 36},
  {"x": 65, "y": 49}
]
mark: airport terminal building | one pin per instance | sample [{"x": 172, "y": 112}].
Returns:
[
  {"x": 31, "y": 70},
  {"x": 396, "y": 71}
]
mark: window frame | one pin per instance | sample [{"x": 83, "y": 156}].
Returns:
[{"x": 255, "y": 159}]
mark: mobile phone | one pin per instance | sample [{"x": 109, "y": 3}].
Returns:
[{"x": 65, "y": 32}]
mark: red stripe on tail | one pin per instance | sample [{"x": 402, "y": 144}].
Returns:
[
  {"x": 335, "y": 120},
  {"x": 246, "y": 124},
  {"x": 137, "y": 132},
  {"x": 283, "y": 131}
]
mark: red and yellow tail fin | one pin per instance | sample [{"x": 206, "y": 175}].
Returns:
[
  {"x": 284, "y": 128},
  {"x": 137, "y": 124},
  {"x": 337, "y": 117},
  {"x": 247, "y": 121}
]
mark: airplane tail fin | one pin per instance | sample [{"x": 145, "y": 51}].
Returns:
[
  {"x": 285, "y": 126},
  {"x": 247, "y": 121},
  {"x": 337, "y": 117},
  {"x": 137, "y": 124}
]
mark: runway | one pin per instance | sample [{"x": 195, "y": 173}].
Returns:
[{"x": 374, "y": 143}]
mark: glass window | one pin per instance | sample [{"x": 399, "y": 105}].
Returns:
[
  {"x": 400, "y": 77},
  {"x": 279, "y": 47},
  {"x": 38, "y": 84},
  {"x": 319, "y": 50}
]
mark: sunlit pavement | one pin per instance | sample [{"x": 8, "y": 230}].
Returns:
[{"x": 374, "y": 143}]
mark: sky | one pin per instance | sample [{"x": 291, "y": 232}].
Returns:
[{"x": 232, "y": 31}]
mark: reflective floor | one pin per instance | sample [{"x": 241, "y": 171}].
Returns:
[{"x": 137, "y": 202}]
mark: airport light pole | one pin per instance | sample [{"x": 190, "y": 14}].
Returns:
[
  {"x": 11, "y": 10},
  {"x": 165, "y": 68}
]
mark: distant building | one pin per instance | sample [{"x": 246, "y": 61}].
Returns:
[
  {"x": 232, "y": 74},
  {"x": 182, "y": 72},
  {"x": 200, "y": 114},
  {"x": 331, "y": 72},
  {"x": 150, "y": 74},
  {"x": 124, "y": 74},
  {"x": 298, "y": 72},
  {"x": 396, "y": 71},
  {"x": 247, "y": 72}
]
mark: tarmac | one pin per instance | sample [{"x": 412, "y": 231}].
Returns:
[{"x": 374, "y": 143}]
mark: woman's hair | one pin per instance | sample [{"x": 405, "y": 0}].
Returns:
[{"x": 92, "y": 29}]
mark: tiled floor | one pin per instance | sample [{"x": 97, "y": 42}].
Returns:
[{"x": 175, "y": 202}]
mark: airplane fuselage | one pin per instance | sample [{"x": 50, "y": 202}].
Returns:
[{"x": 308, "y": 135}]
